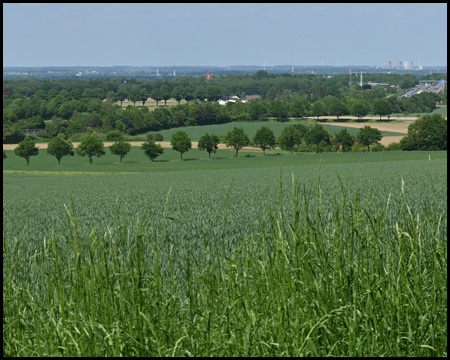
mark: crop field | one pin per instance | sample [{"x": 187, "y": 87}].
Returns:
[
  {"x": 196, "y": 132},
  {"x": 442, "y": 110},
  {"x": 285, "y": 255}
]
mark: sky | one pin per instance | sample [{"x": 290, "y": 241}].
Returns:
[{"x": 223, "y": 34}]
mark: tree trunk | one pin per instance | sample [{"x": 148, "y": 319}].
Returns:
[
  {"x": 181, "y": 155},
  {"x": 209, "y": 155},
  {"x": 121, "y": 158},
  {"x": 59, "y": 161},
  {"x": 237, "y": 152},
  {"x": 264, "y": 151},
  {"x": 157, "y": 102}
]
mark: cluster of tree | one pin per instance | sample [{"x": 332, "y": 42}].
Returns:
[{"x": 427, "y": 133}]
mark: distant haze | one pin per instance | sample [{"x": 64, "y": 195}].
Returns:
[{"x": 223, "y": 34}]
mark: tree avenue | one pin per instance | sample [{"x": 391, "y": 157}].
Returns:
[
  {"x": 181, "y": 142},
  {"x": 265, "y": 139},
  {"x": 368, "y": 136},
  {"x": 60, "y": 147},
  {"x": 237, "y": 139},
  {"x": 209, "y": 143},
  {"x": 91, "y": 146},
  {"x": 152, "y": 150},
  {"x": 26, "y": 149}
]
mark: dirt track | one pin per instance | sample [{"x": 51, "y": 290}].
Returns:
[{"x": 394, "y": 127}]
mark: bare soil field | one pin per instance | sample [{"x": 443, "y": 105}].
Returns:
[{"x": 394, "y": 127}]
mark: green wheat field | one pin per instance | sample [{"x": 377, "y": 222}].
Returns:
[{"x": 341, "y": 254}]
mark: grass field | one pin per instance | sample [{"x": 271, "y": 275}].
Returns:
[
  {"x": 250, "y": 128},
  {"x": 439, "y": 110},
  {"x": 293, "y": 255}
]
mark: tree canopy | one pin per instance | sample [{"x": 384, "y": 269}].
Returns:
[
  {"x": 60, "y": 147},
  {"x": 316, "y": 135},
  {"x": 237, "y": 139},
  {"x": 26, "y": 149},
  {"x": 428, "y": 133},
  {"x": 152, "y": 150},
  {"x": 289, "y": 138},
  {"x": 120, "y": 148},
  {"x": 265, "y": 139},
  {"x": 91, "y": 146},
  {"x": 181, "y": 142},
  {"x": 368, "y": 136},
  {"x": 209, "y": 143}
]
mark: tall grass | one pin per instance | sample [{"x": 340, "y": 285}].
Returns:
[{"x": 346, "y": 279}]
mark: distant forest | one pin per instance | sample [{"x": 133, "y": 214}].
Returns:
[{"x": 79, "y": 106}]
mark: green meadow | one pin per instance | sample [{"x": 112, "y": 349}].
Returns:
[
  {"x": 196, "y": 132},
  {"x": 334, "y": 254}
]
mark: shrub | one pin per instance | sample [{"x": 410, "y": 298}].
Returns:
[
  {"x": 393, "y": 147},
  {"x": 377, "y": 147},
  {"x": 159, "y": 137}
]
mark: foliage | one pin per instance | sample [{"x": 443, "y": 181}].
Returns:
[
  {"x": 91, "y": 146},
  {"x": 209, "y": 143},
  {"x": 120, "y": 148},
  {"x": 289, "y": 138},
  {"x": 26, "y": 149},
  {"x": 159, "y": 137},
  {"x": 382, "y": 107},
  {"x": 114, "y": 135},
  {"x": 428, "y": 133},
  {"x": 368, "y": 136},
  {"x": 152, "y": 150},
  {"x": 344, "y": 139},
  {"x": 4, "y": 154},
  {"x": 237, "y": 139},
  {"x": 60, "y": 147},
  {"x": 265, "y": 139},
  {"x": 395, "y": 146},
  {"x": 317, "y": 135},
  {"x": 181, "y": 142},
  {"x": 360, "y": 109}
]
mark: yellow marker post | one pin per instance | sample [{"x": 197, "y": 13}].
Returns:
[{"x": 429, "y": 157}]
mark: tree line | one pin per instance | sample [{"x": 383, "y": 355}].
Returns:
[{"x": 427, "y": 133}]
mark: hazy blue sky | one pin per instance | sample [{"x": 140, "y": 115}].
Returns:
[{"x": 219, "y": 34}]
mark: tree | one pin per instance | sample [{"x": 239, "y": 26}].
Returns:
[
  {"x": 316, "y": 135},
  {"x": 26, "y": 149},
  {"x": 188, "y": 94},
  {"x": 165, "y": 93},
  {"x": 318, "y": 109},
  {"x": 265, "y": 139},
  {"x": 111, "y": 96},
  {"x": 152, "y": 150},
  {"x": 337, "y": 109},
  {"x": 121, "y": 95},
  {"x": 289, "y": 137},
  {"x": 143, "y": 96},
  {"x": 157, "y": 96},
  {"x": 114, "y": 135},
  {"x": 368, "y": 136},
  {"x": 134, "y": 95},
  {"x": 209, "y": 143},
  {"x": 344, "y": 139},
  {"x": 178, "y": 93},
  {"x": 200, "y": 94},
  {"x": 382, "y": 107},
  {"x": 4, "y": 154},
  {"x": 359, "y": 110},
  {"x": 278, "y": 109},
  {"x": 297, "y": 109},
  {"x": 60, "y": 147},
  {"x": 213, "y": 93},
  {"x": 120, "y": 148},
  {"x": 428, "y": 133},
  {"x": 181, "y": 142},
  {"x": 91, "y": 146},
  {"x": 237, "y": 139}
]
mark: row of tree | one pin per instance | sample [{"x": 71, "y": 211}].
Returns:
[{"x": 427, "y": 133}]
